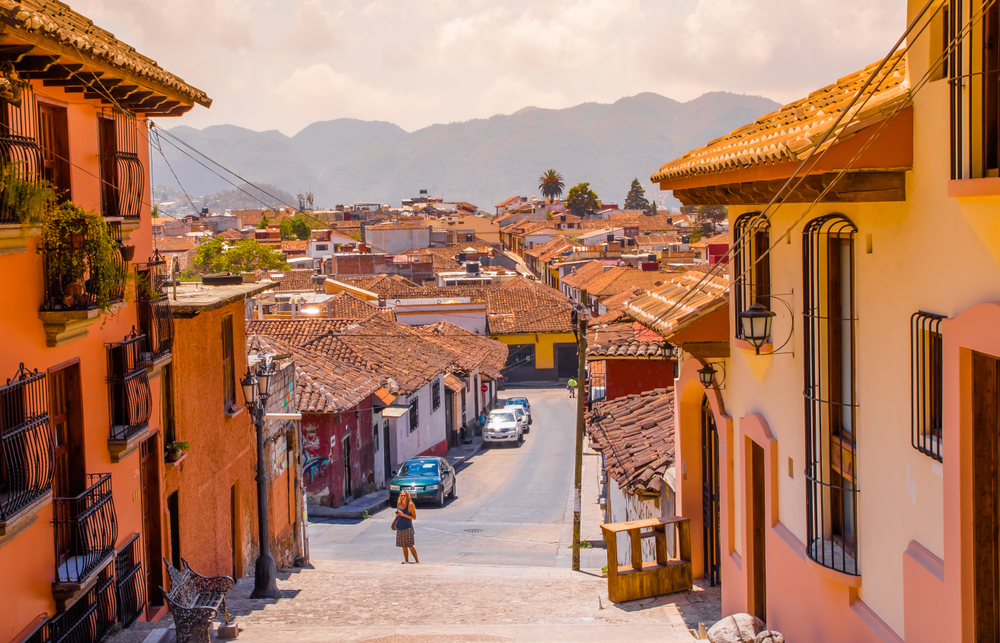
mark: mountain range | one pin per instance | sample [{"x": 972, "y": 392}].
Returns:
[{"x": 481, "y": 161}]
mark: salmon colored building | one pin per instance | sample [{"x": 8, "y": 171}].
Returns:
[
  {"x": 81, "y": 418},
  {"x": 842, "y": 479}
]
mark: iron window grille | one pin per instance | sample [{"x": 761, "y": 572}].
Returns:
[
  {"x": 156, "y": 319},
  {"x": 130, "y": 590},
  {"x": 19, "y": 140},
  {"x": 26, "y": 442},
  {"x": 86, "y": 528},
  {"x": 751, "y": 265},
  {"x": 122, "y": 174},
  {"x": 436, "y": 395},
  {"x": 830, "y": 393},
  {"x": 926, "y": 369},
  {"x": 228, "y": 364},
  {"x": 129, "y": 397},
  {"x": 56, "y": 285},
  {"x": 414, "y": 414}
]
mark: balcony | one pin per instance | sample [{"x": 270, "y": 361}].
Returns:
[
  {"x": 156, "y": 320},
  {"x": 83, "y": 279},
  {"x": 86, "y": 529},
  {"x": 130, "y": 401},
  {"x": 26, "y": 448}
]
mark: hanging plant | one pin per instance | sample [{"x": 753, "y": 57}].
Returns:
[
  {"x": 84, "y": 265},
  {"x": 28, "y": 201}
]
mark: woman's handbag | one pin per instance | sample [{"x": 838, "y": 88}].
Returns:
[{"x": 393, "y": 525}]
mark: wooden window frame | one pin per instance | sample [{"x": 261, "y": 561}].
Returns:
[{"x": 228, "y": 364}]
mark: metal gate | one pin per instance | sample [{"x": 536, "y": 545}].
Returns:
[{"x": 710, "y": 494}]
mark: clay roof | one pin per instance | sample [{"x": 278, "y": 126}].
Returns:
[
  {"x": 294, "y": 245},
  {"x": 615, "y": 335},
  {"x": 792, "y": 132},
  {"x": 615, "y": 303},
  {"x": 656, "y": 239},
  {"x": 551, "y": 319},
  {"x": 293, "y": 279},
  {"x": 174, "y": 244},
  {"x": 453, "y": 382},
  {"x": 636, "y": 436},
  {"x": 685, "y": 298},
  {"x": 387, "y": 286},
  {"x": 718, "y": 239},
  {"x": 582, "y": 275},
  {"x": 470, "y": 350},
  {"x": 324, "y": 385},
  {"x": 344, "y": 305},
  {"x": 53, "y": 27},
  {"x": 231, "y": 234},
  {"x": 621, "y": 278},
  {"x": 551, "y": 249}
]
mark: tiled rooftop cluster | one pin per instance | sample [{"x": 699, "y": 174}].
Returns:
[
  {"x": 635, "y": 434},
  {"x": 615, "y": 334},
  {"x": 684, "y": 298}
]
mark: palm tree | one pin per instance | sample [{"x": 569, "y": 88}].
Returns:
[{"x": 551, "y": 184}]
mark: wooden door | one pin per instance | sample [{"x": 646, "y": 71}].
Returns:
[
  {"x": 986, "y": 490},
  {"x": 66, "y": 417},
  {"x": 347, "y": 468},
  {"x": 149, "y": 481},
  {"x": 710, "y": 495},
  {"x": 54, "y": 141},
  {"x": 758, "y": 526}
]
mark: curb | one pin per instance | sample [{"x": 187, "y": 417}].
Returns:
[
  {"x": 462, "y": 458},
  {"x": 346, "y": 512}
]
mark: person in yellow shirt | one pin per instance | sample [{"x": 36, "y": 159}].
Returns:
[{"x": 571, "y": 385}]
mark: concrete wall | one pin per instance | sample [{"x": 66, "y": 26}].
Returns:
[
  {"x": 399, "y": 240},
  {"x": 324, "y": 437},
  {"x": 544, "y": 366},
  {"x": 429, "y": 437}
]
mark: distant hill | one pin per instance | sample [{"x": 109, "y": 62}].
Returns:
[{"x": 481, "y": 161}]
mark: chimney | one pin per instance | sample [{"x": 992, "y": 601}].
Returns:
[{"x": 670, "y": 221}]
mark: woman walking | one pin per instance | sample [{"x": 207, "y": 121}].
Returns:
[{"x": 406, "y": 513}]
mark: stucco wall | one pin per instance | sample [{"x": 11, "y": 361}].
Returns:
[
  {"x": 628, "y": 376},
  {"x": 324, "y": 437},
  {"x": 544, "y": 366}
]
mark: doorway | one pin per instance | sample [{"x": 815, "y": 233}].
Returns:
[
  {"x": 986, "y": 491},
  {"x": 66, "y": 416},
  {"x": 757, "y": 531},
  {"x": 387, "y": 471},
  {"x": 234, "y": 530},
  {"x": 347, "y": 468},
  {"x": 173, "y": 509},
  {"x": 710, "y": 494},
  {"x": 567, "y": 362},
  {"x": 149, "y": 491}
]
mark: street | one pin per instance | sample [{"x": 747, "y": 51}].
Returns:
[
  {"x": 514, "y": 505},
  {"x": 495, "y": 563}
]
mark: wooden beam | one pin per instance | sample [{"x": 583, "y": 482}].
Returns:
[
  {"x": 34, "y": 63},
  {"x": 54, "y": 72},
  {"x": 851, "y": 187},
  {"x": 704, "y": 350}
]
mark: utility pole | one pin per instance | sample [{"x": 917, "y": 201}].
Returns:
[{"x": 581, "y": 407}]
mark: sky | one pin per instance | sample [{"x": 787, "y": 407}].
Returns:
[{"x": 283, "y": 64}]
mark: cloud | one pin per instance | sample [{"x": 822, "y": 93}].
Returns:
[
  {"x": 313, "y": 30},
  {"x": 508, "y": 94}
]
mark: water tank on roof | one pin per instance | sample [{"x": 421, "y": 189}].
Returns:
[
  {"x": 652, "y": 257},
  {"x": 670, "y": 221},
  {"x": 461, "y": 257},
  {"x": 611, "y": 238},
  {"x": 472, "y": 268}
]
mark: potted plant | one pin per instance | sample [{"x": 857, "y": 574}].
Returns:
[
  {"x": 28, "y": 201},
  {"x": 84, "y": 263},
  {"x": 175, "y": 450}
]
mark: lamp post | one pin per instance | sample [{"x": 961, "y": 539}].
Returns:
[{"x": 256, "y": 388}]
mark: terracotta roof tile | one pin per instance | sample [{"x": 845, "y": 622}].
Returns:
[
  {"x": 679, "y": 302},
  {"x": 622, "y": 278},
  {"x": 616, "y": 335},
  {"x": 636, "y": 436},
  {"x": 792, "y": 132},
  {"x": 293, "y": 279},
  {"x": 174, "y": 244},
  {"x": 344, "y": 305},
  {"x": 581, "y": 276}
]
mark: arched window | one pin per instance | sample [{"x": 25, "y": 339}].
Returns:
[
  {"x": 829, "y": 321},
  {"x": 751, "y": 265}
]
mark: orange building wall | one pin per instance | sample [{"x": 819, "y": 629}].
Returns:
[
  {"x": 222, "y": 446},
  {"x": 27, "y": 559}
]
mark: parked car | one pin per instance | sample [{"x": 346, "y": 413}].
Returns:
[
  {"x": 521, "y": 415},
  {"x": 523, "y": 403},
  {"x": 425, "y": 479},
  {"x": 502, "y": 426}
]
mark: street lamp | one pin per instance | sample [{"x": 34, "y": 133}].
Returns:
[
  {"x": 706, "y": 375},
  {"x": 755, "y": 322},
  {"x": 255, "y": 393}
]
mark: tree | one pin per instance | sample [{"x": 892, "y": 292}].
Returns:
[
  {"x": 551, "y": 184},
  {"x": 707, "y": 216},
  {"x": 263, "y": 221},
  {"x": 247, "y": 256},
  {"x": 581, "y": 198},
  {"x": 295, "y": 228},
  {"x": 636, "y": 198}
]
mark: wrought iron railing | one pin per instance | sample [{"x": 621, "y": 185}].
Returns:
[
  {"x": 60, "y": 296},
  {"x": 122, "y": 173},
  {"x": 129, "y": 397},
  {"x": 19, "y": 142},
  {"x": 130, "y": 589},
  {"x": 86, "y": 529},
  {"x": 26, "y": 444},
  {"x": 156, "y": 319}
]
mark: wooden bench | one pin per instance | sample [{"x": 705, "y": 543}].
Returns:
[
  {"x": 194, "y": 602},
  {"x": 643, "y": 579}
]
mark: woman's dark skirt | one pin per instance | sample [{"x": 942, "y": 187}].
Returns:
[{"x": 404, "y": 537}]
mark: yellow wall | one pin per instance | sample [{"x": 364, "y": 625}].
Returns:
[
  {"x": 485, "y": 229},
  {"x": 544, "y": 345}
]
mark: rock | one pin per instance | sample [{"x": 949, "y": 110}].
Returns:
[
  {"x": 768, "y": 636},
  {"x": 738, "y": 628}
]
